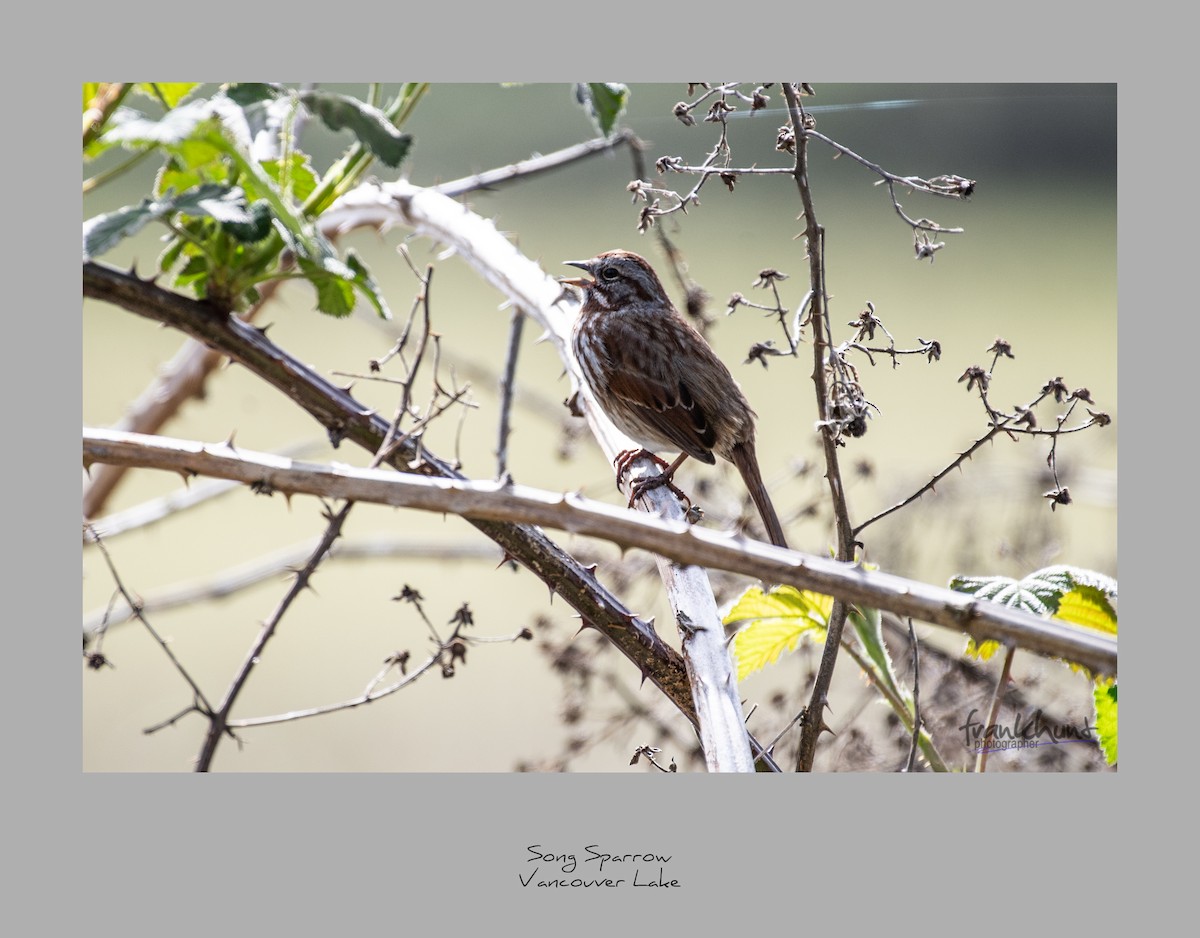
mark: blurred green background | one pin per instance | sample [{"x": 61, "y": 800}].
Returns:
[{"x": 1036, "y": 265}]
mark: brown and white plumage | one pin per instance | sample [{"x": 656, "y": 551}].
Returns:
[{"x": 657, "y": 378}]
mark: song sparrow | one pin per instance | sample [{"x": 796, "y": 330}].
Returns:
[{"x": 657, "y": 378}]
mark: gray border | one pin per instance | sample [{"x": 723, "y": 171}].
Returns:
[{"x": 326, "y": 853}]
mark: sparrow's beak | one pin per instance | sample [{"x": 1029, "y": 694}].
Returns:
[{"x": 578, "y": 281}]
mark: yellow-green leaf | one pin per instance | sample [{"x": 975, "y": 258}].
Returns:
[
  {"x": 1105, "y": 696},
  {"x": 170, "y": 93},
  {"x": 772, "y": 623},
  {"x": 1089, "y": 607},
  {"x": 983, "y": 651}
]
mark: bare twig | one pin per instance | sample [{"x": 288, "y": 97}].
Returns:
[
  {"x": 219, "y": 720},
  {"x": 201, "y": 703},
  {"x": 985, "y": 744},
  {"x": 507, "y": 387},
  {"x": 1020, "y": 423},
  {"x": 233, "y": 580},
  {"x": 822, "y": 345}
]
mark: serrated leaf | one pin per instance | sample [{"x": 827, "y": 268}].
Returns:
[
  {"x": 335, "y": 296},
  {"x": 368, "y": 124},
  {"x": 1041, "y": 592},
  {"x": 227, "y": 206},
  {"x": 335, "y": 293},
  {"x": 299, "y": 176},
  {"x": 169, "y": 92},
  {"x": 174, "y": 127},
  {"x": 982, "y": 651},
  {"x": 191, "y": 163},
  {"x": 194, "y": 273},
  {"x": 1105, "y": 697},
  {"x": 102, "y": 233},
  {"x": 604, "y": 102},
  {"x": 776, "y": 622},
  {"x": 1070, "y": 593},
  {"x": 367, "y": 285},
  {"x": 868, "y": 625},
  {"x": 170, "y": 254},
  {"x": 255, "y": 228},
  {"x": 1001, "y": 589},
  {"x": 246, "y": 93},
  {"x": 1089, "y": 607}
]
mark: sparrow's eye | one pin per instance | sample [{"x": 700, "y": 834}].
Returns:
[{"x": 609, "y": 273}]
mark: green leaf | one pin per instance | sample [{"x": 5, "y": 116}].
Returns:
[
  {"x": 776, "y": 622},
  {"x": 368, "y": 124},
  {"x": 194, "y": 274},
  {"x": 366, "y": 283},
  {"x": 102, "y": 233},
  {"x": 868, "y": 624},
  {"x": 1073, "y": 594},
  {"x": 334, "y": 286},
  {"x": 1001, "y": 589},
  {"x": 983, "y": 651},
  {"x": 246, "y": 93},
  {"x": 1089, "y": 607},
  {"x": 296, "y": 172},
  {"x": 256, "y": 227},
  {"x": 169, "y": 92},
  {"x": 170, "y": 255},
  {"x": 604, "y": 102},
  {"x": 175, "y": 126},
  {"x": 191, "y": 163},
  {"x": 1042, "y": 591},
  {"x": 1105, "y": 697},
  {"x": 105, "y": 231}
]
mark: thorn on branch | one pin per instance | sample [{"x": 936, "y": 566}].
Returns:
[{"x": 572, "y": 404}]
